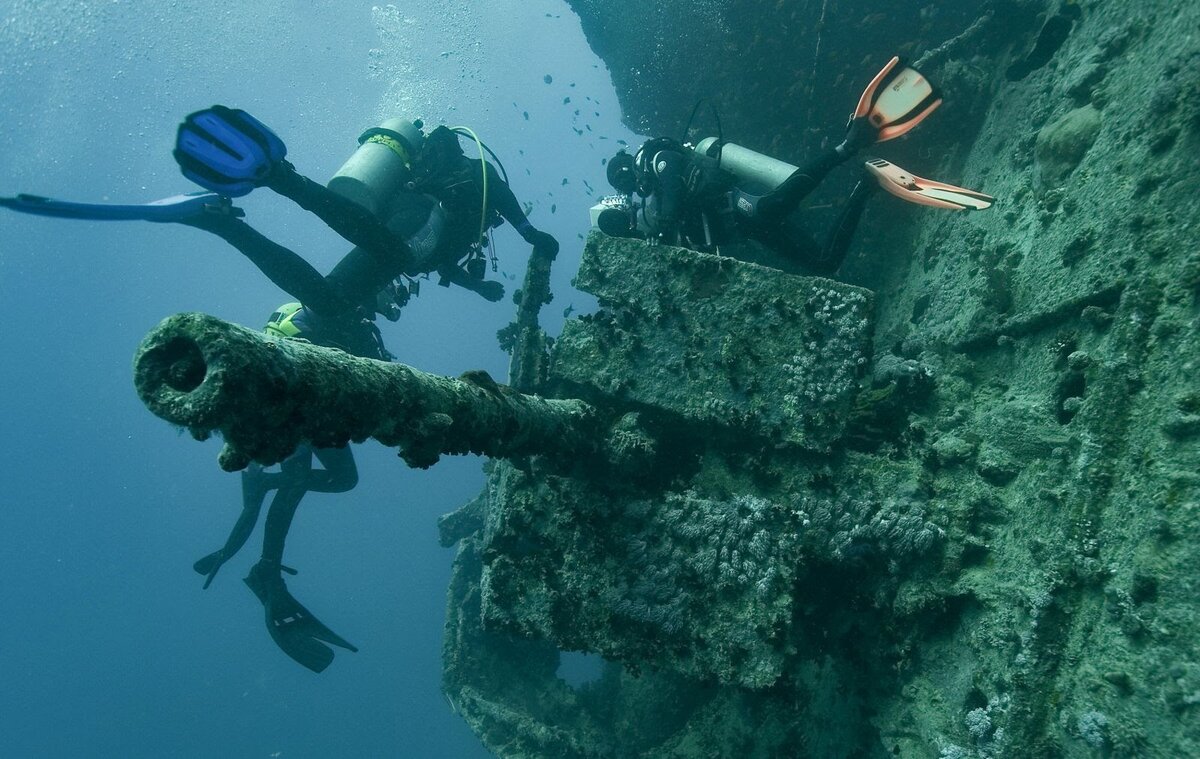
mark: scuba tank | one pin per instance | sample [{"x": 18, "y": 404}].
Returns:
[
  {"x": 381, "y": 165},
  {"x": 376, "y": 177},
  {"x": 757, "y": 174}
]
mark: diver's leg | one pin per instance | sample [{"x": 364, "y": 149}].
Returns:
[
  {"x": 786, "y": 197},
  {"x": 294, "y": 484},
  {"x": 833, "y": 252},
  {"x": 791, "y": 241},
  {"x": 255, "y": 485},
  {"x": 285, "y": 268},
  {"x": 340, "y": 474},
  {"x": 342, "y": 215},
  {"x": 294, "y": 629}
]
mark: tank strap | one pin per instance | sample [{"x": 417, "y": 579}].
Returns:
[{"x": 389, "y": 139}]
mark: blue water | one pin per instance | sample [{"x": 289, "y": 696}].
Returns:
[{"x": 109, "y": 647}]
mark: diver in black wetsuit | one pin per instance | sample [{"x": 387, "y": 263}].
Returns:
[
  {"x": 692, "y": 201},
  {"x": 433, "y": 208},
  {"x": 293, "y": 628},
  {"x": 716, "y": 194}
]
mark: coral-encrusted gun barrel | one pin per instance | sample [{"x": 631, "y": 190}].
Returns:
[{"x": 266, "y": 395}]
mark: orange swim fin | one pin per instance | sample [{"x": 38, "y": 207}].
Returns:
[
  {"x": 908, "y": 186},
  {"x": 896, "y": 100}
]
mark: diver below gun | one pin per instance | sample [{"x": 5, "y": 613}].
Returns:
[{"x": 266, "y": 395}]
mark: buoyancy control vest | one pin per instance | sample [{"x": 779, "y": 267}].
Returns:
[{"x": 443, "y": 171}]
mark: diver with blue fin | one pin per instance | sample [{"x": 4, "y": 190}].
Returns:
[
  {"x": 717, "y": 193},
  {"x": 411, "y": 203}
]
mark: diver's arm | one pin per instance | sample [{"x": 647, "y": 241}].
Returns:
[
  {"x": 453, "y": 274},
  {"x": 255, "y": 485},
  {"x": 501, "y": 198},
  {"x": 786, "y": 197}
]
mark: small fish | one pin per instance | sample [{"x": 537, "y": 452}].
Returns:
[
  {"x": 589, "y": 127},
  {"x": 521, "y": 151},
  {"x": 565, "y": 181},
  {"x": 553, "y": 207},
  {"x": 622, "y": 142},
  {"x": 547, "y": 79},
  {"x": 568, "y": 310},
  {"x": 525, "y": 114},
  {"x": 578, "y": 131},
  {"x": 566, "y": 100}
]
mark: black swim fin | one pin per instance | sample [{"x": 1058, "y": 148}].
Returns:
[
  {"x": 227, "y": 150},
  {"x": 895, "y": 101},
  {"x": 173, "y": 209},
  {"x": 294, "y": 629}
]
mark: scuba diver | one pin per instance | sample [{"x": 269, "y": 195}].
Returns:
[
  {"x": 296, "y": 631},
  {"x": 717, "y": 193},
  {"x": 412, "y": 205}
]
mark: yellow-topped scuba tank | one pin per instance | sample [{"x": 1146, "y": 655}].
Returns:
[
  {"x": 756, "y": 173},
  {"x": 381, "y": 165}
]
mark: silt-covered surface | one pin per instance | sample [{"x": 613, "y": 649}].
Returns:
[{"x": 996, "y": 555}]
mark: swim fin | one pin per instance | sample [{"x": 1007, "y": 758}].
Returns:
[
  {"x": 914, "y": 189},
  {"x": 895, "y": 101},
  {"x": 294, "y": 629},
  {"x": 175, "y": 208},
  {"x": 227, "y": 150}
]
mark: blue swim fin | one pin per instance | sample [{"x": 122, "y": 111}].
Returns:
[
  {"x": 172, "y": 209},
  {"x": 227, "y": 150}
]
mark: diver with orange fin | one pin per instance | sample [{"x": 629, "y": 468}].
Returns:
[{"x": 716, "y": 193}]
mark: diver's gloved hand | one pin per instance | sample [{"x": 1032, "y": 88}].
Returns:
[
  {"x": 544, "y": 244},
  {"x": 490, "y": 290}
]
